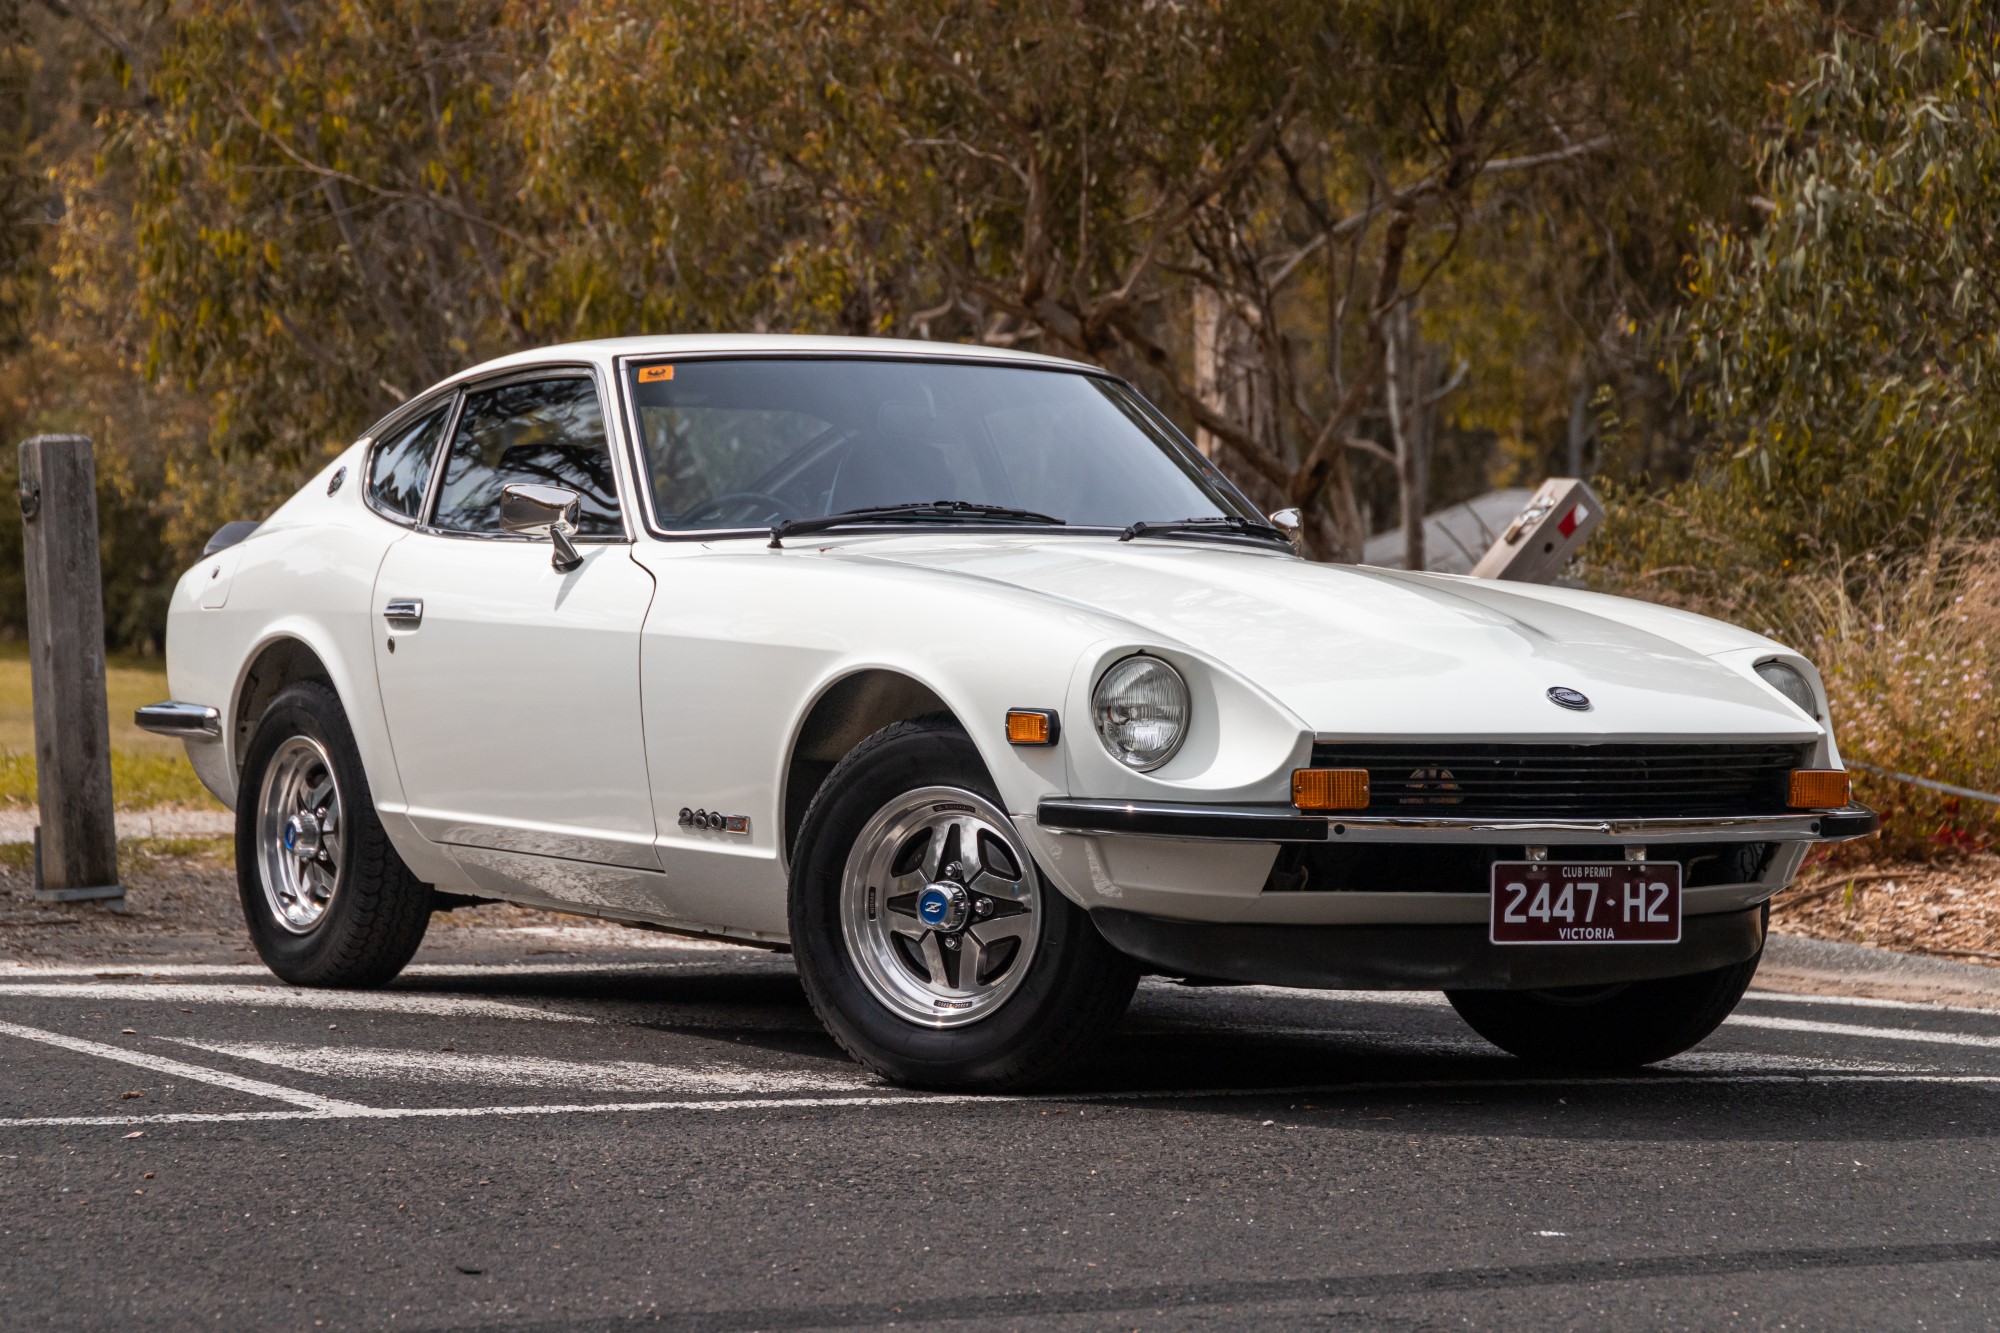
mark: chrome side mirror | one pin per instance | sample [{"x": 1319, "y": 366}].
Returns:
[
  {"x": 538, "y": 511},
  {"x": 1290, "y": 522}
]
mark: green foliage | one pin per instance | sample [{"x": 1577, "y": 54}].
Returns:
[
  {"x": 326, "y": 209},
  {"x": 1847, "y": 354}
]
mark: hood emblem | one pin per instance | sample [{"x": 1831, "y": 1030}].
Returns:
[{"x": 1565, "y": 697}]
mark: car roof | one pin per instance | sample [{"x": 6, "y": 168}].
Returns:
[{"x": 684, "y": 344}]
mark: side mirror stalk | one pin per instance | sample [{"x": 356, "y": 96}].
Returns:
[{"x": 566, "y": 556}]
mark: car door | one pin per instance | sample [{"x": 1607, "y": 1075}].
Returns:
[{"x": 511, "y": 690}]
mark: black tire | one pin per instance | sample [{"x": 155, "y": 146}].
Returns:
[
  {"x": 1074, "y": 985},
  {"x": 377, "y": 912},
  {"x": 1601, "y": 1029}
]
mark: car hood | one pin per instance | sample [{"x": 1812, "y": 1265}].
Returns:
[{"x": 1357, "y": 651}]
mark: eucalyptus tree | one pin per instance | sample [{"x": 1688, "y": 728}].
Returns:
[
  {"x": 1845, "y": 351},
  {"x": 328, "y": 213}
]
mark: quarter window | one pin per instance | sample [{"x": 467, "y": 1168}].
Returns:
[
  {"x": 399, "y": 471},
  {"x": 546, "y": 432}
]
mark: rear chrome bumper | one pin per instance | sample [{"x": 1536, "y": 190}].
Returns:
[
  {"x": 1279, "y": 823},
  {"x": 186, "y": 722}
]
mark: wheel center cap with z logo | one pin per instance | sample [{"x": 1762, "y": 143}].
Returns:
[
  {"x": 943, "y": 906},
  {"x": 302, "y": 836}
]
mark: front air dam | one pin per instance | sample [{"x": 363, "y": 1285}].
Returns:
[{"x": 1455, "y": 957}]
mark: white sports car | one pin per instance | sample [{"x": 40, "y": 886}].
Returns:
[{"x": 959, "y": 673}]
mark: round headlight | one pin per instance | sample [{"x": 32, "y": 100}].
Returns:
[
  {"x": 1141, "y": 708},
  {"x": 1788, "y": 682}
]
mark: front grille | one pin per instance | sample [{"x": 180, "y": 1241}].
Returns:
[
  {"x": 1589, "y": 781},
  {"x": 1395, "y": 867}
]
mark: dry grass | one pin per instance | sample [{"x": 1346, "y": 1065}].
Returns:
[
  {"x": 1911, "y": 657},
  {"x": 1910, "y": 651},
  {"x": 146, "y": 770}
]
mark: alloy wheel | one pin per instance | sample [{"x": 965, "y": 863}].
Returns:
[
  {"x": 300, "y": 832},
  {"x": 940, "y": 907}
]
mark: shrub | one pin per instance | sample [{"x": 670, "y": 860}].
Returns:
[{"x": 1910, "y": 651}]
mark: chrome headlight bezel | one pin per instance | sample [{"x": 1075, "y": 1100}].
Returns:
[
  {"x": 1791, "y": 682},
  {"x": 1120, "y": 704}
]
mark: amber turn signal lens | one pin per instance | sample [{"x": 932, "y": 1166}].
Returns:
[
  {"x": 1330, "y": 788},
  {"x": 1819, "y": 788},
  {"x": 1030, "y": 726}
]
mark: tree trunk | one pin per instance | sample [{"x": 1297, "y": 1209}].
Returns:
[
  {"x": 1405, "y": 387},
  {"x": 1579, "y": 421},
  {"x": 1208, "y": 363}
]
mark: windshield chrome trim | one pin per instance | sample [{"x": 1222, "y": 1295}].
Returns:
[{"x": 636, "y": 447}]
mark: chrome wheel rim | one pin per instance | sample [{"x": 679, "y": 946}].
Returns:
[
  {"x": 301, "y": 832},
  {"x": 940, "y": 907}
]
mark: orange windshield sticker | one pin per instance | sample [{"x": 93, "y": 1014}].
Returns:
[{"x": 654, "y": 374}]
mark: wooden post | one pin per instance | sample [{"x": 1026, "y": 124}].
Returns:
[{"x": 77, "y": 841}]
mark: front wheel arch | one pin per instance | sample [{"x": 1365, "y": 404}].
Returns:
[{"x": 846, "y": 713}]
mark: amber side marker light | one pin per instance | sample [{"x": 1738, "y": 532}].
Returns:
[
  {"x": 1031, "y": 726},
  {"x": 1819, "y": 789},
  {"x": 1330, "y": 788}
]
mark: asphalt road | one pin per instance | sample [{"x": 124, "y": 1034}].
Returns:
[{"x": 664, "y": 1138}]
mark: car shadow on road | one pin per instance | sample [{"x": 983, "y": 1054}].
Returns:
[{"x": 1222, "y": 1053}]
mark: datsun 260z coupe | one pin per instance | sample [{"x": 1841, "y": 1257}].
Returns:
[{"x": 960, "y": 673}]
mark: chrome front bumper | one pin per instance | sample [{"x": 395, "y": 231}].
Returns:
[{"x": 1279, "y": 823}]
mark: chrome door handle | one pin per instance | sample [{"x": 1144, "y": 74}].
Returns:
[{"x": 404, "y": 612}]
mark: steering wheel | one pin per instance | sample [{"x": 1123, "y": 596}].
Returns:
[{"x": 718, "y": 506}]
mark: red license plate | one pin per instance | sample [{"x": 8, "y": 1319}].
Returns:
[{"x": 1609, "y": 902}]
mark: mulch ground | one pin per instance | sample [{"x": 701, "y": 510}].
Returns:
[{"x": 1948, "y": 909}]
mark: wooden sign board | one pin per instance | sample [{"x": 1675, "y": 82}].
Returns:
[{"x": 1543, "y": 537}]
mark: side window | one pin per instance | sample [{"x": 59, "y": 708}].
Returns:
[
  {"x": 547, "y": 432},
  {"x": 399, "y": 470}
]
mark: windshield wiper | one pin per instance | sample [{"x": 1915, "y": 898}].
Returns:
[
  {"x": 949, "y": 510},
  {"x": 1218, "y": 525}
]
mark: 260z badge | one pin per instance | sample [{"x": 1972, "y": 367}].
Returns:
[{"x": 718, "y": 823}]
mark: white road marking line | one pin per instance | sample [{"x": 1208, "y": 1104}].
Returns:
[
  {"x": 457, "y": 1068},
  {"x": 1412, "y": 1043},
  {"x": 1856, "y": 1030},
  {"x": 1745, "y": 1061},
  {"x": 160, "y": 1064},
  {"x": 1422, "y": 999},
  {"x": 1868, "y": 1002},
  {"x": 112, "y": 972},
  {"x": 922, "y": 1101},
  {"x": 625, "y": 937},
  {"x": 281, "y": 996}
]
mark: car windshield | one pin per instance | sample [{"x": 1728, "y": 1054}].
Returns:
[{"x": 748, "y": 443}]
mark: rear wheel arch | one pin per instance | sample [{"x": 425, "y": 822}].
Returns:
[{"x": 279, "y": 663}]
